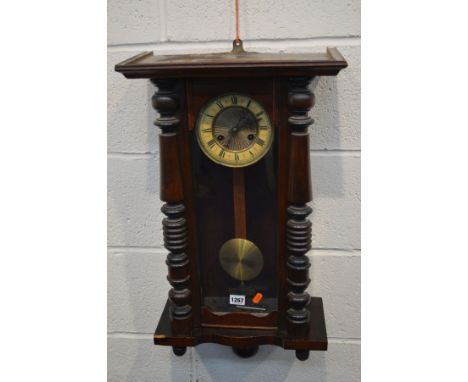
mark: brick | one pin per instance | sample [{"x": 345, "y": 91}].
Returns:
[
  {"x": 138, "y": 360},
  {"x": 133, "y": 205},
  {"x": 336, "y": 207},
  {"x": 133, "y": 21},
  {"x": 336, "y": 277},
  {"x": 337, "y": 111},
  {"x": 264, "y": 19},
  {"x": 129, "y": 113},
  {"x": 194, "y": 20},
  {"x": 136, "y": 290},
  {"x": 199, "y": 20}
]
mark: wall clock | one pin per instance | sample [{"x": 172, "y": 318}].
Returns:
[{"x": 235, "y": 179}]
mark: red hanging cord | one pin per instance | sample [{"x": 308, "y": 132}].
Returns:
[{"x": 237, "y": 23}]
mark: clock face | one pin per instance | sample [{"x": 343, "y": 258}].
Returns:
[{"x": 234, "y": 130}]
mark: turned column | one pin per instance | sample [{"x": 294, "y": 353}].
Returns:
[
  {"x": 167, "y": 101},
  {"x": 298, "y": 227}
]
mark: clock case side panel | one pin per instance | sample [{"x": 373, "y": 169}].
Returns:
[
  {"x": 186, "y": 160},
  {"x": 299, "y": 193},
  {"x": 283, "y": 163},
  {"x": 183, "y": 303}
]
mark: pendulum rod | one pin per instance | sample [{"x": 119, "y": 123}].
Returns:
[
  {"x": 239, "y": 257},
  {"x": 240, "y": 226}
]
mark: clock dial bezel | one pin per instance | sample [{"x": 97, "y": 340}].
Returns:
[{"x": 218, "y": 153}]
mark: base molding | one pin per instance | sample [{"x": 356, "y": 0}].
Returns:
[{"x": 315, "y": 339}]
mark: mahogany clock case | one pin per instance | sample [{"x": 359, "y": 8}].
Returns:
[{"x": 199, "y": 198}]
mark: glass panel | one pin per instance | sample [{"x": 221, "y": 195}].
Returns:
[{"x": 213, "y": 190}]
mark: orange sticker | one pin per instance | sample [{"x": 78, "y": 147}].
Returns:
[{"x": 257, "y": 298}]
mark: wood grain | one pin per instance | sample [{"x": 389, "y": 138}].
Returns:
[
  {"x": 314, "y": 339},
  {"x": 298, "y": 227},
  {"x": 224, "y": 65},
  {"x": 175, "y": 231}
]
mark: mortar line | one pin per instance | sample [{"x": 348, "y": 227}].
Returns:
[
  {"x": 193, "y": 366},
  {"x": 314, "y": 252},
  {"x": 123, "y": 155},
  {"x": 144, "y": 336},
  {"x": 336, "y": 252},
  {"x": 336, "y": 153},
  {"x": 314, "y": 152},
  {"x": 130, "y": 335},
  {"x": 336, "y": 150},
  {"x": 339, "y": 340},
  {"x": 145, "y": 250},
  {"x": 272, "y": 42}
]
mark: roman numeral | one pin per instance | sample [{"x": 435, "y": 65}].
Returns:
[
  {"x": 207, "y": 130},
  {"x": 236, "y": 156},
  {"x": 211, "y": 143},
  {"x": 234, "y": 99},
  {"x": 263, "y": 127},
  {"x": 251, "y": 153},
  {"x": 248, "y": 103},
  {"x": 222, "y": 153},
  {"x": 220, "y": 105},
  {"x": 211, "y": 116},
  {"x": 259, "y": 114},
  {"x": 259, "y": 141}
]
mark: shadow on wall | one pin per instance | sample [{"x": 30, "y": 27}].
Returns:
[
  {"x": 219, "y": 363},
  {"x": 271, "y": 363},
  {"x": 141, "y": 361}
]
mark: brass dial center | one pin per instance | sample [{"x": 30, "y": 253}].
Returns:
[{"x": 237, "y": 128}]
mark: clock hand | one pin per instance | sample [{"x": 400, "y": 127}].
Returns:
[
  {"x": 242, "y": 118},
  {"x": 229, "y": 139},
  {"x": 235, "y": 128}
]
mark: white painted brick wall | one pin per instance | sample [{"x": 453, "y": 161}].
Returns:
[
  {"x": 195, "y": 20},
  {"x": 134, "y": 358},
  {"x": 134, "y": 21},
  {"x": 137, "y": 286}
]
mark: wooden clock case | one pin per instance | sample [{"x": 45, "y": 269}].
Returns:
[{"x": 280, "y": 82}]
